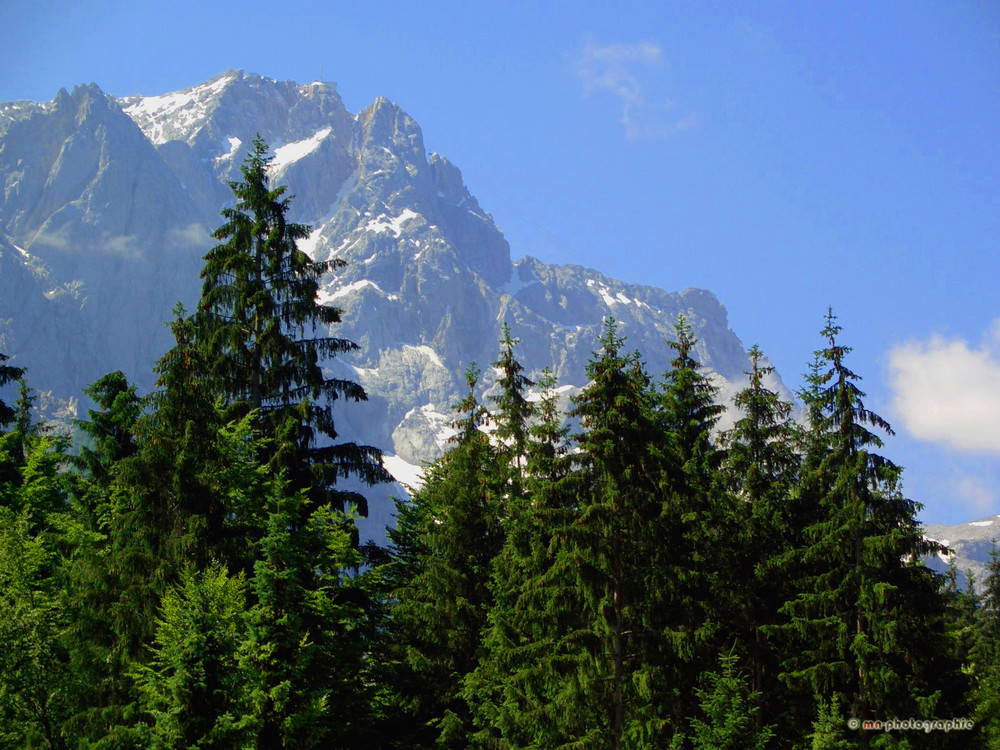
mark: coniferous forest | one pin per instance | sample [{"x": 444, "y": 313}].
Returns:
[{"x": 184, "y": 569}]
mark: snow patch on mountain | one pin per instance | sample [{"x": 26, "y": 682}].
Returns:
[
  {"x": 383, "y": 224},
  {"x": 308, "y": 245},
  {"x": 234, "y": 147},
  {"x": 181, "y": 109},
  {"x": 292, "y": 152},
  {"x": 427, "y": 352},
  {"x": 516, "y": 283},
  {"x": 407, "y": 474}
]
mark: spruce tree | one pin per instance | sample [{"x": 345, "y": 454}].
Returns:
[
  {"x": 442, "y": 610},
  {"x": 36, "y": 688},
  {"x": 302, "y": 662},
  {"x": 760, "y": 469},
  {"x": 693, "y": 555},
  {"x": 611, "y": 547},
  {"x": 986, "y": 657},
  {"x": 512, "y": 411},
  {"x": 264, "y": 333},
  {"x": 192, "y": 689},
  {"x": 729, "y": 711},
  {"x": 519, "y": 693},
  {"x": 869, "y": 616}
]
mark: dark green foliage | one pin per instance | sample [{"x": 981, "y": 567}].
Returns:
[
  {"x": 443, "y": 608},
  {"x": 520, "y": 693},
  {"x": 869, "y": 620},
  {"x": 986, "y": 657},
  {"x": 260, "y": 326},
  {"x": 111, "y": 427},
  {"x": 612, "y": 546},
  {"x": 512, "y": 412},
  {"x": 303, "y": 661},
  {"x": 759, "y": 472},
  {"x": 191, "y": 578},
  {"x": 8, "y": 374},
  {"x": 693, "y": 550}
]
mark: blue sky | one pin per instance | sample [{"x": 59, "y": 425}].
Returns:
[{"x": 785, "y": 155}]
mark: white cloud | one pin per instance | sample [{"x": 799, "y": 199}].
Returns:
[
  {"x": 624, "y": 70},
  {"x": 948, "y": 392}
]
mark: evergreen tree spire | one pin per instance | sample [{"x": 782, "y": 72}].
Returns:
[
  {"x": 869, "y": 618},
  {"x": 759, "y": 471},
  {"x": 261, "y": 327},
  {"x": 442, "y": 610}
]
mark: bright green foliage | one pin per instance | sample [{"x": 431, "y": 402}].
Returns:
[
  {"x": 728, "y": 707},
  {"x": 192, "y": 689},
  {"x": 830, "y": 730},
  {"x": 303, "y": 658},
  {"x": 258, "y": 321},
  {"x": 36, "y": 688}
]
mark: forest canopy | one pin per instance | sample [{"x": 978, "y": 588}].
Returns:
[{"x": 192, "y": 576}]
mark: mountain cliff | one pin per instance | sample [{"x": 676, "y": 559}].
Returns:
[{"x": 109, "y": 204}]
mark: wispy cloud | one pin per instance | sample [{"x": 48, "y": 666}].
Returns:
[
  {"x": 192, "y": 237},
  {"x": 628, "y": 72},
  {"x": 948, "y": 391}
]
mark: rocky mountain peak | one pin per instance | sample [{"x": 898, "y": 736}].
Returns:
[{"x": 115, "y": 200}]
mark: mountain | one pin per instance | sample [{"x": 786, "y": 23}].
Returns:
[
  {"x": 109, "y": 204},
  {"x": 970, "y": 544}
]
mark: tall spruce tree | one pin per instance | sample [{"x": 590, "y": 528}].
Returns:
[
  {"x": 868, "y": 614},
  {"x": 695, "y": 530},
  {"x": 442, "y": 610},
  {"x": 519, "y": 693},
  {"x": 610, "y": 547},
  {"x": 760, "y": 469},
  {"x": 512, "y": 411},
  {"x": 264, "y": 333},
  {"x": 986, "y": 657}
]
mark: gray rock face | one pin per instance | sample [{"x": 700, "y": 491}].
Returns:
[
  {"x": 970, "y": 543},
  {"x": 111, "y": 203}
]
